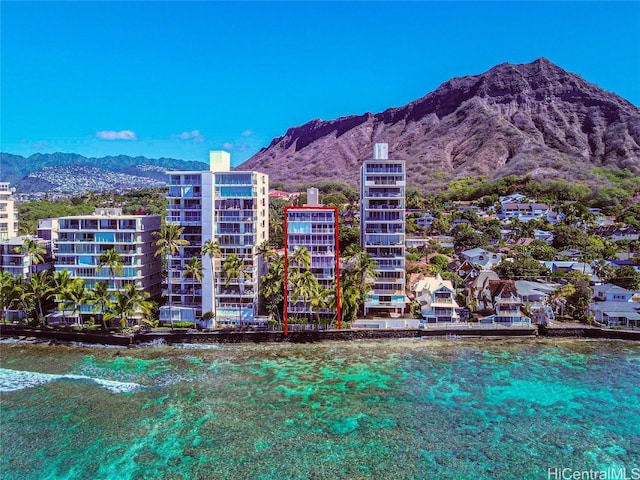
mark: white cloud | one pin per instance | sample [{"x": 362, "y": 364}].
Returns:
[
  {"x": 194, "y": 135},
  {"x": 113, "y": 135},
  {"x": 247, "y": 133},
  {"x": 233, "y": 146}
]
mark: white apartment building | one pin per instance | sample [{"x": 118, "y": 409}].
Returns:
[
  {"x": 382, "y": 230},
  {"x": 8, "y": 212},
  {"x": 82, "y": 239},
  {"x": 232, "y": 209},
  {"x": 314, "y": 227}
]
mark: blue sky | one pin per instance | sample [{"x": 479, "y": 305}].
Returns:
[{"x": 177, "y": 79}]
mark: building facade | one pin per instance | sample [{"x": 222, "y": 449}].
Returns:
[
  {"x": 81, "y": 240},
  {"x": 315, "y": 228},
  {"x": 382, "y": 229},
  {"x": 232, "y": 209},
  {"x": 8, "y": 212}
]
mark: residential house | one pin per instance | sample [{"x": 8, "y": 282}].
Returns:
[
  {"x": 611, "y": 293},
  {"x": 437, "y": 300},
  {"x": 614, "y": 314},
  {"x": 477, "y": 289},
  {"x": 506, "y": 303},
  {"x": 482, "y": 258}
]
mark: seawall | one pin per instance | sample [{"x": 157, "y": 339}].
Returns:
[{"x": 176, "y": 337}]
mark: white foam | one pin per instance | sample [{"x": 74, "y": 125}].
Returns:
[{"x": 13, "y": 380}]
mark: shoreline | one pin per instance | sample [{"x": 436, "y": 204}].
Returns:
[{"x": 312, "y": 336}]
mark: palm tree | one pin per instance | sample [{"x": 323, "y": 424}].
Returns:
[
  {"x": 128, "y": 302},
  {"x": 112, "y": 260},
  {"x": 9, "y": 292},
  {"x": 300, "y": 258},
  {"x": 361, "y": 272},
  {"x": 305, "y": 285},
  {"x": 212, "y": 249},
  {"x": 272, "y": 288},
  {"x": 33, "y": 249},
  {"x": 37, "y": 289},
  {"x": 100, "y": 297},
  {"x": 73, "y": 295},
  {"x": 233, "y": 269},
  {"x": 320, "y": 300},
  {"x": 168, "y": 244},
  {"x": 193, "y": 270},
  {"x": 350, "y": 299}
]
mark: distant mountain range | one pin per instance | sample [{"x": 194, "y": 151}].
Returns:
[
  {"x": 534, "y": 119},
  {"x": 73, "y": 174}
]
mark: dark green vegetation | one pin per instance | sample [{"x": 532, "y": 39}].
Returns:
[{"x": 148, "y": 201}]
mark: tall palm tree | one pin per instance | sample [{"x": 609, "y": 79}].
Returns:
[
  {"x": 168, "y": 244},
  {"x": 212, "y": 249},
  {"x": 101, "y": 298},
  {"x": 129, "y": 301},
  {"x": 37, "y": 289},
  {"x": 233, "y": 269},
  {"x": 193, "y": 270},
  {"x": 113, "y": 261},
  {"x": 32, "y": 248}
]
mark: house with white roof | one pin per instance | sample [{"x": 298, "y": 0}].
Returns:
[
  {"x": 437, "y": 300},
  {"x": 616, "y": 313},
  {"x": 484, "y": 259},
  {"x": 611, "y": 293}
]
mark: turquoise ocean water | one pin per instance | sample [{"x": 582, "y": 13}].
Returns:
[{"x": 402, "y": 409}]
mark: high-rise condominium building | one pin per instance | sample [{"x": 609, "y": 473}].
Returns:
[
  {"x": 315, "y": 228},
  {"x": 82, "y": 240},
  {"x": 8, "y": 213},
  {"x": 382, "y": 229},
  {"x": 232, "y": 209}
]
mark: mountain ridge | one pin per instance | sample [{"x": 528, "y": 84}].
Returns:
[
  {"x": 43, "y": 172},
  {"x": 530, "y": 119}
]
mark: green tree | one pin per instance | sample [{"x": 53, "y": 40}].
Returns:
[
  {"x": 72, "y": 297},
  {"x": 129, "y": 301},
  {"x": 626, "y": 277},
  {"x": 33, "y": 249},
  {"x": 101, "y": 298},
  {"x": 193, "y": 270},
  {"x": 9, "y": 292},
  {"x": 112, "y": 261},
  {"x": 212, "y": 249},
  {"x": 168, "y": 243},
  {"x": 522, "y": 267},
  {"x": 36, "y": 290},
  {"x": 272, "y": 288},
  {"x": 469, "y": 239},
  {"x": 233, "y": 269}
]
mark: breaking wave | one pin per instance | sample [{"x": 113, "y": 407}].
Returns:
[{"x": 13, "y": 380}]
